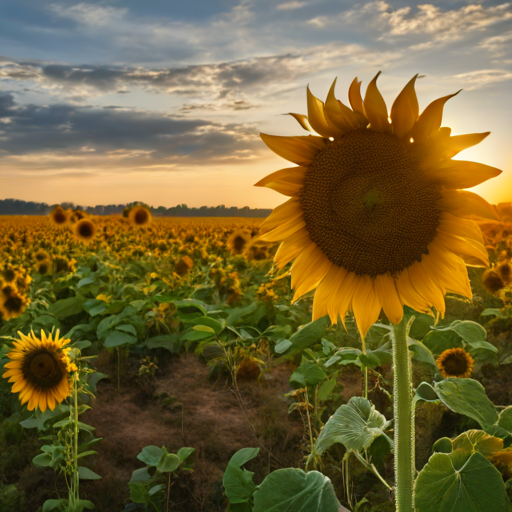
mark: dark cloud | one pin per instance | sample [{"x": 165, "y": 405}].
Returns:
[{"x": 68, "y": 129}]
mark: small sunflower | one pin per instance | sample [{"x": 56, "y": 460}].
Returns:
[
  {"x": 375, "y": 218},
  {"x": 59, "y": 216},
  {"x": 183, "y": 266},
  {"x": 238, "y": 241},
  {"x": 84, "y": 230},
  {"x": 39, "y": 370},
  {"x": 12, "y": 302},
  {"x": 455, "y": 362},
  {"x": 139, "y": 216}
]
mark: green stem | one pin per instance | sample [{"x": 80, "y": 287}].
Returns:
[
  {"x": 404, "y": 418},
  {"x": 74, "y": 493}
]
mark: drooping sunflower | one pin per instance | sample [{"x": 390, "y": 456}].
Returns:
[
  {"x": 376, "y": 218},
  {"x": 59, "y": 216},
  {"x": 139, "y": 216},
  {"x": 455, "y": 362},
  {"x": 238, "y": 241},
  {"x": 39, "y": 370},
  {"x": 84, "y": 230}
]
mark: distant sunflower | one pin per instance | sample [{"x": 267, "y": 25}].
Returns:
[
  {"x": 12, "y": 303},
  {"x": 84, "y": 230},
  {"x": 59, "y": 216},
  {"x": 455, "y": 362},
  {"x": 238, "y": 241},
  {"x": 39, "y": 370},
  {"x": 375, "y": 219},
  {"x": 139, "y": 216}
]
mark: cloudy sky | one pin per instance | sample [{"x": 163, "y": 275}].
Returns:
[{"x": 162, "y": 100}]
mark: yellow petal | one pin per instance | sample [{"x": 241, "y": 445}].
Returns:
[
  {"x": 459, "y": 143},
  {"x": 14, "y": 372},
  {"x": 465, "y": 228},
  {"x": 51, "y": 400},
  {"x": 365, "y": 305},
  {"x": 324, "y": 293},
  {"x": 474, "y": 252},
  {"x": 387, "y": 294},
  {"x": 355, "y": 98},
  {"x": 318, "y": 120},
  {"x": 286, "y": 181},
  {"x": 304, "y": 122},
  {"x": 340, "y": 115},
  {"x": 292, "y": 247},
  {"x": 308, "y": 270},
  {"x": 284, "y": 230},
  {"x": 463, "y": 203},
  {"x": 462, "y": 174},
  {"x": 405, "y": 110},
  {"x": 343, "y": 292},
  {"x": 18, "y": 386},
  {"x": 430, "y": 120},
  {"x": 33, "y": 401},
  {"x": 290, "y": 209},
  {"x": 13, "y": 364},
  {"x": 408, "y": 294},
  {"x": 42, "y": 401},
  {"x": 299, "y": 150},
  {"x": 375, "y": 107},
  {"x": 425, "y": 287}
]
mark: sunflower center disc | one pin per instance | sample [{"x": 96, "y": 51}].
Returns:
[
  {"x": 367, "y": 204},
  {"x": 43, "y": 369},
  {"x": 455, "y": 364}
]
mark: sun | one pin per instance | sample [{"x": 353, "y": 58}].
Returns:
[
  {"x": 39, "y": 370},
  {"x": 376, "y": 218}
]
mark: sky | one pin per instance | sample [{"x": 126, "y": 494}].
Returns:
[{"x": 162, "y": 101}]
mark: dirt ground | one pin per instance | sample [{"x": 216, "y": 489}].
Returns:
[{"x": 189, "y": 409}]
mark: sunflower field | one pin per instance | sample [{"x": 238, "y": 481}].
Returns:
[{"x": 167, "y": 364}]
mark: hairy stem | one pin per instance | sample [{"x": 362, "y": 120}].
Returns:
[{"x": 404, "y": 418}]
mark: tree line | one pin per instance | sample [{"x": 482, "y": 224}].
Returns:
[{"x": 19, "y": 207}]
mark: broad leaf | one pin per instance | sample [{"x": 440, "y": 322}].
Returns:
[{"x": 293, "y": 490}]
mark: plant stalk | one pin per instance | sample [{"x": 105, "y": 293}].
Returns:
[{"x": 404, "y": 418}]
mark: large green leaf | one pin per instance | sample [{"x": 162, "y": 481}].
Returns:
[
  {"x": 467, "y": 396},
  {"x": 293, "y": 490},
  {"x": 169, "y": 463},
  {"x": 355, "y": 425},
  {"x": 457, "y": 482},
  {"x": 308, "y": 374},
  {"x": 309, "y": 334},
  {"x": 150, "y": 455},
  {"x": 67, "y": 307},
  {"x": 237, "y": 481},
  {"x": 118, "y": 338}
]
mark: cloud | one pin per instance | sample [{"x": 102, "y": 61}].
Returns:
[
  {"x": 482, "y": 78},
  {"x": 89, "y": 14},
  {"x": 441, "y": 26},
  {"x": 231, "y": 85},
  {"x": 497, "y": 45},
  {"x": 289, "y": 6},
  {"x": 57, "y": 136}
]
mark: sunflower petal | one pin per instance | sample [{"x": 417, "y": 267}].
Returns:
[
  {"x": 465, "y": 228},
  {"x": 405, "y": 110},
  {"x": 42, "y": 401},
  {"x": 365, "y": 305},
  {"x": 387, "y": 294},
  {"x": 299, "y": 150},
  {"x": 284, "y": 212},
  {"x": 425, "y": 287},
  {"x": 474, "y": 252},
  {"x": 459, "y": 143},
  {"x": 292, "y": 247},
  {"x": 308, "y": 270},
  {"x": 286, "y": 181},
  {"x": 323, "y": 294},
  {"x": 463, "y": 203},
  {"x": 430, "y": 119},
  {"x": 304, "y": 122},
  {"x": 409, "y": 296},
  {"x": 462, "y": 174},
  {"x": 340, "y": 115},
  {"x": 354, "y": 97},
  {"x": 342, "y": 294},
  {"x": 375, "y": 107},
  {"x": 284, "y": 230},
  {"x": 317, "y": 119}
]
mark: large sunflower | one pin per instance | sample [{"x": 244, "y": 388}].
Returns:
[
  {"x": 376, "y": 218},
  {"x": 39, "y": 369}
]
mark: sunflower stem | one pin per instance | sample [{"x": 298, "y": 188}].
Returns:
[
  {"x": 76, "y": 477},
  {"x": 404, "y": 418}
]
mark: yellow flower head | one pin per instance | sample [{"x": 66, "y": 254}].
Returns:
[
  {"x": 39, "y": 369},
  {"x": 59, "y": 216},
  {"x": 84, "y": 230},
  {"x": 238, "y": 241},
  {"x": 455, "y": 362},
  {"x": 376, "y": 218},
  {"x": 139, "y": 216}
]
